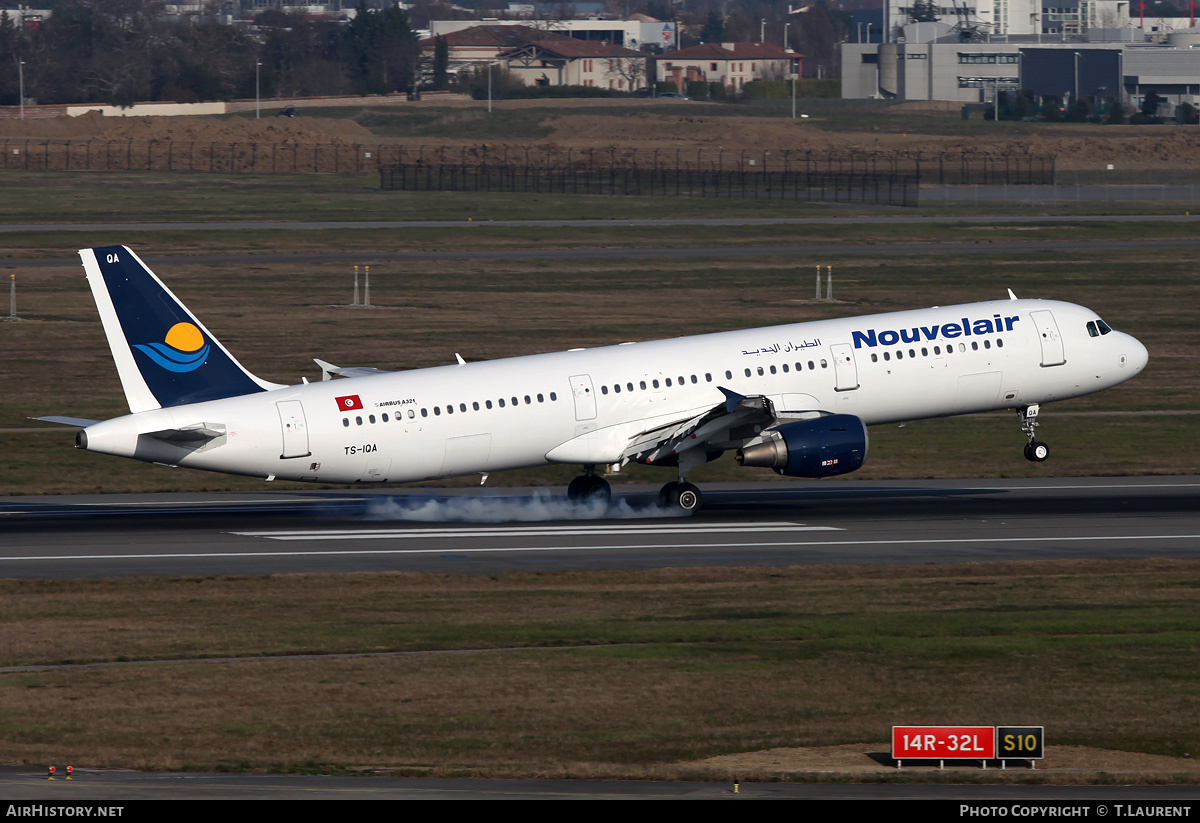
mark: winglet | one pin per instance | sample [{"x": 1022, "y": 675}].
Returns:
[{"x": 732, "y": 399}]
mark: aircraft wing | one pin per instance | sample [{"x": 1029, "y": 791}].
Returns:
[
  {"x": 330, "y": 371},
  {"x": 723, "y": 426}
]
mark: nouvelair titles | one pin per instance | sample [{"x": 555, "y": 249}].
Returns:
[{"x": 966, "y": 328}]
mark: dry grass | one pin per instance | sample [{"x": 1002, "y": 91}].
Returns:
[{"x": 606, "y": 673}]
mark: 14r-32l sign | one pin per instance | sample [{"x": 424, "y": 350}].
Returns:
[{"x": 943, "y": 742}]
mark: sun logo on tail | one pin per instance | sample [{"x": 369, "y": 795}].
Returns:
[{"x": 184, "y": 349}]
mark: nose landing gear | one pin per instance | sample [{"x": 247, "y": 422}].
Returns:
[
  {"x": 588, "y": 487},
  {"x": 1035, "y": 451}
]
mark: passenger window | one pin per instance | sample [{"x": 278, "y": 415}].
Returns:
[
  {"x": 346, "y": 421},
  {"x": 487, "y": 404},
  {"x": 475, "y": 405},
  {"x": 358, "y": 420},
  {"x": 642, "y": 383},
  {"x": 501, "y": 402},
  {"x": 748, "y": 373},
  {"x": 449, "y": 408},
  {"x": 411, "y": 414},
  {"x": 772, "y": 370}
]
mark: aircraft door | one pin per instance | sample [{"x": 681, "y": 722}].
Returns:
[
  {"x": 844, "y": 368},
  {"x": 1052, "y": 345},
  {"x": 295, "y": 429},
  {"x": 585, "y": 398}
]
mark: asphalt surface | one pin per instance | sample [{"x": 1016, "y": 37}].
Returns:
[
  {"x": 485, "y": 531},
  {"x": 115, "y": 787}
]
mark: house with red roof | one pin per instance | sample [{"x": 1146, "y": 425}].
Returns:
[
  {"x": 730, "y": 64},
  {"x": 570, "y": 62}
]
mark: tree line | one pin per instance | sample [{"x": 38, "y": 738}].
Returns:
[{"x": 122, "y": 51}]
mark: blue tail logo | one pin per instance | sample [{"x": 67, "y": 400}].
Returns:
[
  {"x": 183, "y": 350},
  {"x": 165, "y": 356}
]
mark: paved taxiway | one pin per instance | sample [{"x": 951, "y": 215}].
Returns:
[
  {"x": 493, "y": 530},
  {"x": 114, "y": 787}
]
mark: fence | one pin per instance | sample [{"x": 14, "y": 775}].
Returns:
[
  {"x": 955, "y": 168},
  {"x": 890, "y": 189}
]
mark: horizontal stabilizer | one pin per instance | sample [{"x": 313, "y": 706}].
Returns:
[
  {"x": 330, "y": 371},
  {"x": 190, "y": 434},
  {"x": 81, "y": 422}
]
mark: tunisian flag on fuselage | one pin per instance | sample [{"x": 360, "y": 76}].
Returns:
[{"x": 349, "y": 402}]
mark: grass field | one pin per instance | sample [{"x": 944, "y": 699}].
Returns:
[{"x": 592, "y": 674}]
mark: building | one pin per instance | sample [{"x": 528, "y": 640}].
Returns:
[
  {"x": 951, "y": 70},
  {"x": 640, "y": 35},
  {"x": 730, "y": 64},
  {"x": 570, "y": 62}
]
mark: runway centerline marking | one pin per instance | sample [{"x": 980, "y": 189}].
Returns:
[{"x": 401, "y": 533}]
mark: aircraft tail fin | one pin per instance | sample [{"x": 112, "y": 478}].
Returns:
[{"x": 164, "y": 355}]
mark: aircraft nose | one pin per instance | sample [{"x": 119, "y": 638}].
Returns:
[{"x": 1135, "y": 354}]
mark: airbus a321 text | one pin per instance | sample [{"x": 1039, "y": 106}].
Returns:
[{"x": 795, "y": 398}]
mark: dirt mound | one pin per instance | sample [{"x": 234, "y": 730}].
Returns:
[
  {"x": 1075, "y": 145},
  {"x": 873, "y": 758},
  {"x": 279, "y": 130}
]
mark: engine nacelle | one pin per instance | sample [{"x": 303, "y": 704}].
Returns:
[{"x": 823, "y": 447}]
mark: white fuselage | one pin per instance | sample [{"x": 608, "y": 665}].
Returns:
[{"x": 565, "y": 407}]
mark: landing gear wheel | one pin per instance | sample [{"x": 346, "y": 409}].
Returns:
[
  {"x": 588, "y": 488},
  {"x": 575, "y": 488},
  {"x": 1037, "y": 452},
  {"x": 683, "y": 496}
]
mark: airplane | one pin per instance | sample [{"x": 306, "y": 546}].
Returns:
[{"x": 796, "y": 398}]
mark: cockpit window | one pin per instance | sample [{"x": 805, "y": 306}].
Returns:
[
  {"x": 1104, "y": 327},
  {"x": 1092, "y": 330}
]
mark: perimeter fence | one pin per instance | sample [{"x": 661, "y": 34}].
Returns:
[
  {"x": 882, "y": 177},
  {"x": 946, "y": 168}
]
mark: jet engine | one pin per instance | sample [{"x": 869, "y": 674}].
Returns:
[{"x": 823, "y": 447}]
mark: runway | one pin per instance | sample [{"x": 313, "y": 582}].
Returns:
[{"x": 486, "y": 531}]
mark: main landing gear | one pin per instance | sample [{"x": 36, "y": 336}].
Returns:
[
  {"x": 589, "y": 487},
  {"x": 682, "y": 495},
  {"x": 1035, "y": 450}
]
